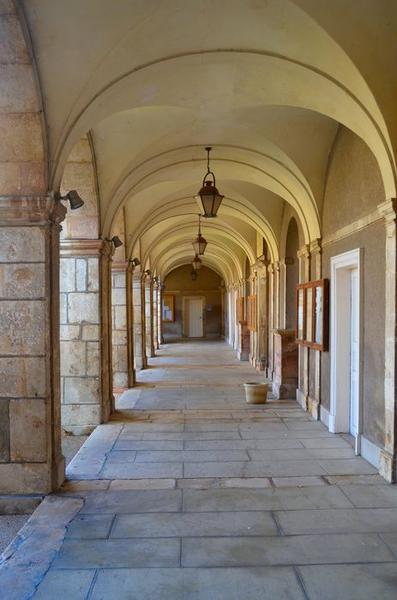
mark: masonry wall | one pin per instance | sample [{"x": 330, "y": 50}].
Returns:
[
  {"x": 353, "y": 190},
  {"x": 207, "y": 284},
  {"x": 80, "y": 343},
  {"x": 119, "y": 330}
]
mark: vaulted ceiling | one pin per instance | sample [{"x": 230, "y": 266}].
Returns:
[{"x": 265, "y": 82}]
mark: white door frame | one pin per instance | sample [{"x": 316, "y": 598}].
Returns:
[{"x": 341, "y": 266}]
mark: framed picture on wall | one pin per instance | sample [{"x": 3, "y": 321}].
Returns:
[
  {"x": 312, "y": 314},
  {"x": 168, "y": 315}
]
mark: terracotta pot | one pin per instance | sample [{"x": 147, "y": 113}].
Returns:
[{"x": 256, "y": 393}]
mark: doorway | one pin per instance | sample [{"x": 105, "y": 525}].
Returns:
[
  {"x": 193, "y": 313},
  {"x": 345, "y": 345}
]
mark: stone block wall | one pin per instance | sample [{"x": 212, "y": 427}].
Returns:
[
  {"x": 140, "y": 360},
  {"x": 80, "y": 343},
  {"x": 119, "y": 329}
]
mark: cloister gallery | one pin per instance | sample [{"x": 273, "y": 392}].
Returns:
[{"x": 113, "y": 115}]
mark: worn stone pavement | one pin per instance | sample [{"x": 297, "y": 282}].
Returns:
[{"x": 195, "y": 495}]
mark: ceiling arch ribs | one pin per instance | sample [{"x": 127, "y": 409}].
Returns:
[
  {"x": 213, "y": 231},
  {"x": 184, "y": 207},
  {"x": 217, "y": 249},
  {"x": 292, "y": 82},
  {"x": 279, "y": 182},
  {"x": 216, "y": 262}
]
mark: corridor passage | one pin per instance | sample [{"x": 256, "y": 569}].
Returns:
[{"x": 189, "y": 493}]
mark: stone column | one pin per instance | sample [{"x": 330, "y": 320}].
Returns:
[
  {"x": 140, "y": 360},
  {"x": 31, "y": 460},
  {"x": 388, "y": 456},
  {"x": 302, "y": 394},
  {"x": 254, "y": 333},
  {"x": 119, "y": 326},
  {"x": 130, "y": 326},
  {"x": 161, "y": 336},
  {"x": 262, "y": 304},
  {"x": 283, "y": 291},
  {"x": 315, "y": 355},
  {"x": 148, "y": 307},
  {"x": 83, "y": 325},
  {"x": 155, "y": 315},
  {"x": 271, "y": 279}
]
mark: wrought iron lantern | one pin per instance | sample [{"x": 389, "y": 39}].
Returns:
[
  {"x": 196, "y": 264},
  {"x": 193, "y": 275},
  {"x": 199, "y": 243},
  {"x": 210, "y": 198}
]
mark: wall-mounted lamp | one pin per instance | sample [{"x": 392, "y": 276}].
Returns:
[
  {"x": 116, "y": 241},
  {"x": 135, "y": 262},
  {"x": 74, "y": 199}
]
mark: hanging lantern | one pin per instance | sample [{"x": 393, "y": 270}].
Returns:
[
  {"x": 196, "y": 264},
  {"x": 210, "y": 198},
  {"x": 193, "y": 275},
  {"x": 199, "y": 243}
]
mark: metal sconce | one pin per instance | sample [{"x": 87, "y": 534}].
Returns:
[{"x": 74, "y": 199}]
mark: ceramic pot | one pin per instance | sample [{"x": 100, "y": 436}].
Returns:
[{"x": 256, "y": 393}]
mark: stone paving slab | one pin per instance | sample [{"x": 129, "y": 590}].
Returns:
[
  {"x": 264, "y": 499},
  {"x": 278, "y": 583},
  {"x": 194, "y": 524},
  {"x": 132, "y": 501},
  {"x": 304, "y": 549},
  {"x": 143, "y": 470},
  {"x": 200, "y": 456},
  {"x": 350, "y": 582},
  {"x": 301, "y": 454},
  {"x": 90, "y": 526},
  {"x": 353, "y": 466},
  {"x": 95, "y": 554},
  {"x": 284, "y": 468},
  {"x": 274, "y": 444},
  {"x": 71, "y": 585},
  {"x": 373, "y": 496},
  {"x": 353, "y": 520}
]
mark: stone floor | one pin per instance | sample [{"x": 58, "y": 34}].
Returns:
[{"x": 195, "y": 495}]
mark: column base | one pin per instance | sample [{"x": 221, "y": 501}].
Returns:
[
  {"x": 314, "y": 408},
  {"x": 242, "y": 355},
  {"x": 31, "y": 478},
  {"x": 302, "y": 399},
  {"x": 284, "y": 391},
  {"x": 388, "y": 466}
]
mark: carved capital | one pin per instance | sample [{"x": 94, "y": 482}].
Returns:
[
  {"x": 315, "y": 246},
  {"x": 120, "y": 266},
  {"x": 304, "y": 252},
  {"x": 28, "y": 210},
  {"x": 69, "y": 248}
]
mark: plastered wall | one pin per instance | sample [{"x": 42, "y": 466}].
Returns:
[
  {"x": 208, "y": 284},
  {"x": 354, "y": 190}
]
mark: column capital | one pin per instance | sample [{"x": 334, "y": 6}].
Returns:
[
  {"x": 388, "y": 209},
  {"x": 70, "y": 248},
  {"x": 120, "y": 265},
  {"x": 31, "y": 210},
  {"x": 304, "y": 252},
  {"x": 315, "y": 246}
]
